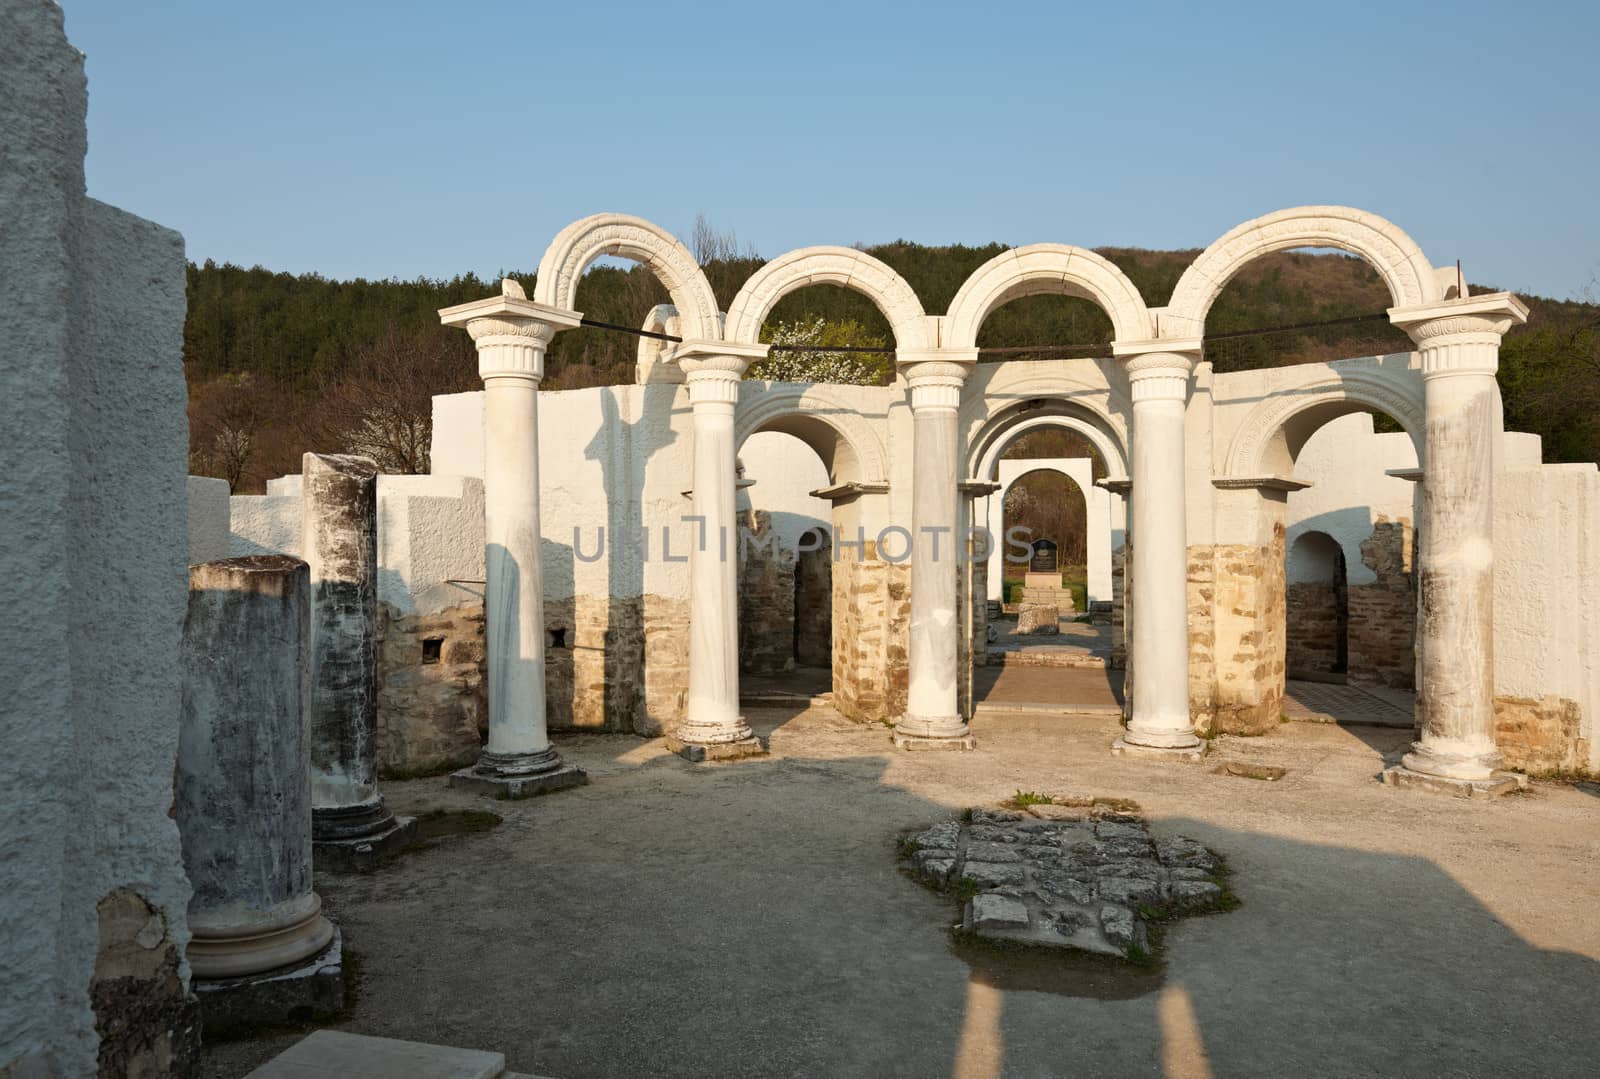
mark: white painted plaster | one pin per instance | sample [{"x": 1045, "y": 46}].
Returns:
[
  {"x": 208, "y": 519},
  {"x": 1345, "y": 463}
]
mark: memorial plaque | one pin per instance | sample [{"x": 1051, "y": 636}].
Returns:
[{"x": 1044, "y": 557}]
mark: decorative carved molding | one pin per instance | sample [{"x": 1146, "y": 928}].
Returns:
[
  {"x": 766, "y": 404},
  {"x": 843, "y": 266},
  {"x": 1404, "y": 402},
  {"x": 1045, "y": 268}
]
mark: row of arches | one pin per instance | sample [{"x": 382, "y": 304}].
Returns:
[{"x": 1022, "y": 271}]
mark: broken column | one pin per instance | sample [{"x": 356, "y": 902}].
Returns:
[
  {"x": 933, "y": 718},
  {"x": 511, "y": 334},
  {"x": 350, "y": 826},
  {"x": 261, "y": 949},
  {"x": 1459, "y": 343},
  {"x": 712, "y": 728},
  {"x": 1159, "y": 723}
]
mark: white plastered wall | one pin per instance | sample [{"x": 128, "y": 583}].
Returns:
[{"x": 1345, "y": 462}]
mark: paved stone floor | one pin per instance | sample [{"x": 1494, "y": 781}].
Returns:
[
  {"x": 1058, "y": 689},
  {"x": 1329, "y": 702},
  {"x": 748, "y": 919}
]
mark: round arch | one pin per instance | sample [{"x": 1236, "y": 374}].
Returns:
[
  {"x": 1272, "y": 433},
  {"x": 1396, "y": 256},
  {"x": 624, "y": 236},
  {"x": 833, "y": 427},
  {"x": 843, "y": 266},
  {"x": 1046, "y": 268}
]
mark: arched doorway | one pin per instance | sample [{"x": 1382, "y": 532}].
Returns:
[{"x": 1317, "y": 610}]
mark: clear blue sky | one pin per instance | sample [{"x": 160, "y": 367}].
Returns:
[{"x": 398, "y": 139}]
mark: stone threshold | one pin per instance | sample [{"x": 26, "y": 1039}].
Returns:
[
  {"x": 1045, "y": 708},
  {"x": 1044, "y": 657}
]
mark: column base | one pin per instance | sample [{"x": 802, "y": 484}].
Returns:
[
  {"x": 699, "y": 752},
  {"x": 360, "y": 854},
  {"x": 227, "y": 949},
  {"x": 311, "y": 988},
  {"x": 1124, "y": 748},
  {"x": 1494, "y": 786},
  {"x": 917, "y": 733},
  {"x": 350, "y": 822},
  {"x": 515, "y": 786}
]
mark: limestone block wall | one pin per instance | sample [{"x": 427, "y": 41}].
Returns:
[
  {"x": 1312, "y": 627},
  {"x": 766, "y": 599},
  {"x": 93, "y": 896},
  {"x": 1383, "y": 612},
  {"x": 813, "y": 605},
  {"x": 871, "y": 635}
]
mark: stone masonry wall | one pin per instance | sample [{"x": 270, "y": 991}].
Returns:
[
  {"x": 665, "y": 698},
  {"x": 1311, "y": 628},
  {"x": 871, "y": 629},
  {"x": 1541, "y": 736},
  {"x": 1383, "y": 614},
  {"x": 594, "y": 663},
  {"x": 1119, "y": 605},
  {"x": 1249, "y": 636},
  {"x": 1202, "y": 662},
  {"x": 433, "y": 710},
  {"x": 766, "y": 599},
  {"x": 813, "y": 606}
]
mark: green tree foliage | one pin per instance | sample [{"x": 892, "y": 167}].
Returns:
[{"x": 262, "y": 348}]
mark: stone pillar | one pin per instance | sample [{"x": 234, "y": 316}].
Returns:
[
  {"x": 350, "y": 825},
  {"x": 1159, "y": 722},
  {"x": 511, "y": 334},
  {"x": 933, "y": 718},
  {"x": 713, "y": 729},
  {"x": 243, "y": 793},
  {"x": 1459, "y": 342}
]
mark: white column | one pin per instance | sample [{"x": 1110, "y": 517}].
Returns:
[
  {"x": 1459, "y": 342},
  {"x": 933, "y": 718},
  {"x": 713, "y": 727},
  {"x": 1160, "y": 646},
  {"x": 511, "y": 335}
]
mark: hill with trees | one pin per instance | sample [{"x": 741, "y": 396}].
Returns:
[{"x": 279, "y": 363}]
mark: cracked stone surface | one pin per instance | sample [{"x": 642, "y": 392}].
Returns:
[{"x": 1080, "y": 875}]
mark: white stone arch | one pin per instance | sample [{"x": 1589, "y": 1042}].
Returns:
[
  {"x": 1046, "y": 268},
  {"x": 849, "y": 445},
  {"x": 624, "y": 236},
  {"x": 1044, "y": 394},
  {"x": 1412, "y": 281},
  {"x": 1267, "y": 440},
  {"x": 843, "y": 266}
]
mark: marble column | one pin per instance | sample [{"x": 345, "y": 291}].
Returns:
[
  {"x": 511, "y": 334},
  {"x": 713, "y": 729},
  {"x": 1159, "y": 721},
  {"x": 242, "y": 794},
  {"x": 1459, "y": 344},
  {"x": 350, "y": 825},
  {"x": 933, "y": 718}
]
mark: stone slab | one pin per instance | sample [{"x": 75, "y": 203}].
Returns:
[
  {"x": 307, "y": 990},
  {"x": 1497, "y": 785},
  {"x": 364, "y": 853},
  {"x": 335, "y": 1054},
  {"x": 516, "y": 787},
  {"x": 721, "y": 751},
  {"x": 1122, "y": 747}
]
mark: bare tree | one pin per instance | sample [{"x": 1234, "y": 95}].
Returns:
[{"x": 227, "y": 416}]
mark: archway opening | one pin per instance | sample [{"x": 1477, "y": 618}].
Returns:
[
  {"x": 832, "y": 325},
  {"x": 1350, "y": 583},
  {"x": 1316, "y": 611}
]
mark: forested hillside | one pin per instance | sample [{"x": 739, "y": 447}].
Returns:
[{"x": 278, "y": 364}]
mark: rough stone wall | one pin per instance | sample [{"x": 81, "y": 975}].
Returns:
[
  {"x": 1383, "y": 614},
  {"x": 1119, "y": 607},
  {"x": 1202, "y": 662},
  {"x": 93, "y": 434},
  {"x": 1541, "y": 736},
  {"x": 594, "y": 662},
  {"x": 433, "y": 709},
  {"x": 766, "y": 599},
  {"x": 871, "y": 636},
  {"x": 1248, "y": 642},
  {"x": 980, "y": 613},
  {"x": 666, "y": 665},
  {"x": 813, "y": 605},
  {"x": 1311, "y": 628}
]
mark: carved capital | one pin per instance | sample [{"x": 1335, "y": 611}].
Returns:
[
  {"x": 510, "y": 331},
  {"x": 1159, "y": 374},
  {"x": 935, "y": 384},
  {"x": 1461, "y": 337}
]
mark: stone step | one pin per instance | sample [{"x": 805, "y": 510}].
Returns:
[
  {"x": 1046, "y": 708},
  {"x": 1045, "y": 656},
  {"x": 337, "y": 1054}
]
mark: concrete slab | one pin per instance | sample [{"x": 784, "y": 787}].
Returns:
[{"x": 336, "y": 1054}]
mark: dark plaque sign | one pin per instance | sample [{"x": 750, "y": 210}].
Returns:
[{"x": 1044, "y": 557}]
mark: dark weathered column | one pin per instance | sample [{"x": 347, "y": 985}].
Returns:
[
  {"x": 339, "y": 538},
  {"x": 243, "y": 795}
]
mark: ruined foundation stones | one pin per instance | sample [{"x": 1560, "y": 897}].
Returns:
[
  {"x": 261, "y": 949},
  {"x": 1042, "y": 619},
  {"x": 1075, "y": 873},
  {"x": 350, "y": 825}
]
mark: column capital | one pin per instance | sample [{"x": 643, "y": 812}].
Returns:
[
  {"x": 1461, "y": 337},
  {"x": 1158, "y": 370},
  {"x": 713, "y": 369},
  {"x": 510, "y": 331},
  {"x": 936, "y": 376}
]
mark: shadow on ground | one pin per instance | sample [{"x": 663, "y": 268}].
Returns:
[{"x": 749, "y": 919}]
